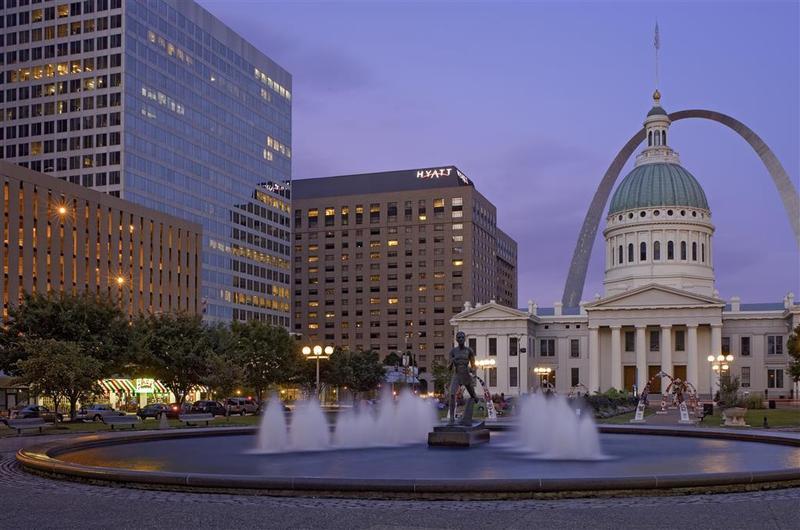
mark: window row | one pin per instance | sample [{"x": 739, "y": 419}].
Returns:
[{"x": 621, "y": 254}]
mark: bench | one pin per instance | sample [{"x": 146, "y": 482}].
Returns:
[
  {"x": 26, "y": 424},
  {"x": 194, "y": 419},
  {"x": 112, "y": 421}
]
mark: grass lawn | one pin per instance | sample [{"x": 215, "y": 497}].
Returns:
[
  {"x": 754, "y": 418},
  {"x": 148, "y": 424},
  {"x": 775, "y": 417}
]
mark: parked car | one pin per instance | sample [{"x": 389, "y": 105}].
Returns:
[
  {"x": 209, "y": 407},
  {"x": 152, "y": 410},
  {"x": 96, "y": 412},
  {"x": 36, "y": 411},
  {"x": 155, "y": 410},
  {"x": 241, "y": 406}
]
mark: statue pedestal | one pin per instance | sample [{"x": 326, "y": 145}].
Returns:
[{"x": 458, "y": 435}]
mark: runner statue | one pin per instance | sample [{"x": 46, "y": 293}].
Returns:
[{"x": 462, "y": 366}]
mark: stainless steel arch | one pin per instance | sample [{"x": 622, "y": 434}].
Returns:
[{"x": 573, "y": 289}]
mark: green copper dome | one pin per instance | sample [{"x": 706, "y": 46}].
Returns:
[{"x": 658, "y": 184}]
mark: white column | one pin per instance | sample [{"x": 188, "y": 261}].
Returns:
[
  {"x": 692, "y": 361},
  {"x": 716, "y": 349},
  {"x": 522, "y": 360},
  {"x": 641, "y": 358},
  {"x": 666, "y": 350},
  {"x": 594, "y": 359},
  {"x": 616, "y": 357}
]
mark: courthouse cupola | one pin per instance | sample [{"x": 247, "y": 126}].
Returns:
[{"x": 658, "y": 228}]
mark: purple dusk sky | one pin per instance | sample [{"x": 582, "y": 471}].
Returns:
[{"x": 533, "y": 100}]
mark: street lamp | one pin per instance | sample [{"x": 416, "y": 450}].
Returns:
[
  {"x": 720, "y": 365},
  {"x": 317, "y": 353},
  {"x": 486, "y": 364},
  {"x": 544, "y": 373}
]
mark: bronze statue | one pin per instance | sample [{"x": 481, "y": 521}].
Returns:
[{"x": 462, "y": 365}]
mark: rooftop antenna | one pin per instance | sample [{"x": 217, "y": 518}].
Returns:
[{"x": 657, "y": 46}]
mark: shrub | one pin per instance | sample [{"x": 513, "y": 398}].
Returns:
[{"x": 754, "y": 402}]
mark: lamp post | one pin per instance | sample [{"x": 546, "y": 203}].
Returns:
[
  {"x": 486, "y": 364},
  {"x": 720, "y": 365},
  {"x": 317, "y": 352},
  {"x": 543, "y": 372}
]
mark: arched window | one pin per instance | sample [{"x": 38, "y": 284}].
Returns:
[
  {"x": 683, "y": 250},
  {"x": 650, "y": 138},
  {"x": 694, "y": 251},
  {"x": 657, "y": 251},
  {"x": 620, "y": 256},
  {"x": 670, "y": 250},
  {"x": 663, "y": 137},
  {"x": 630, "y": 252},
  {"x": 703, "y": 251},
  {"x": 642, "y": 251}
]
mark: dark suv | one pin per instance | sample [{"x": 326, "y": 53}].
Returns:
[{"x": 209, "y": 407}]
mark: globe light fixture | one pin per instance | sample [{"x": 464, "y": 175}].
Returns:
[{"x": 316, "y": 353}]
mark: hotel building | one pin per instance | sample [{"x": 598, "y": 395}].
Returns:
[
  {"x": 161, "y": 104},
  {"x": 382, "y": 261}
]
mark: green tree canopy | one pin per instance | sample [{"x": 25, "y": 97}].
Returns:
[
  {"x": 175, "y": 349},
  {"x": 60, "y": 369},
  {"x": 268, "y": 354},
  {"x": 793, "y": 348},
  {"x": 441, "y": 377},
  {"x": 359, "y": 371},
  {"x": 94, "y": 324}
]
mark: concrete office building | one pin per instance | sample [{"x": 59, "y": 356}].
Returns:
[
  {"x": 382, "y": 261},
  {"x": 161, "y": 104},
  {"x": 62, "y": 237}
]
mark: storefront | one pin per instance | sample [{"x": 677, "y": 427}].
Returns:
[{"x": 130, "y": 394}]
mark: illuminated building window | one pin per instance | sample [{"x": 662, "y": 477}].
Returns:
[{"x": 458, "y": 262}]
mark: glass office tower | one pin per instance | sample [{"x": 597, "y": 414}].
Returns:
[{"x": 160, "y": 103}]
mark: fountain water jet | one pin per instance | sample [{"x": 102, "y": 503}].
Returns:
[
  {"x": 551, "y": 430},
  {"x": 404, "y": 421},
  {"x": 272, "y": 435}
]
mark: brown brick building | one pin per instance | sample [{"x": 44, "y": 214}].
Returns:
[
  {"x": 382, "y": 261},
  {"x": 63, "y": 237}
]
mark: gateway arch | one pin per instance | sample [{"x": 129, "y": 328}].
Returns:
[{"x": 573, "y": 289}]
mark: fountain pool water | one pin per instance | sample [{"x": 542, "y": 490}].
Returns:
[{"x": 551, "y": 449}]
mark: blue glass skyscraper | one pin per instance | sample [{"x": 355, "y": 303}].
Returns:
[{"x": 160, "y": 103}]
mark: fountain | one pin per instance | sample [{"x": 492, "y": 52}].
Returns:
[
  {"x": 550, "y": 429},
  {"x": 547, "y": 448},
  {"x": 394, "y": 423}
]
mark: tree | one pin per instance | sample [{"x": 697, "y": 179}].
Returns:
[
  {"x": 441, "y": 377},
  {"x": 392, "y": 360},
  {"x": 59, "y": 369},
  {"x": 793, "y": 349},
  {"x": 175, "y": 349},
  {"x": 268, "y": 354},
  {"x": 225, "y": 369},
  {"x": 94, "y": 324},
  {"x": 359, "y": 371}
]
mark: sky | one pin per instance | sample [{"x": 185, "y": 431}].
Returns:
[{"x": 532, "y": 100}]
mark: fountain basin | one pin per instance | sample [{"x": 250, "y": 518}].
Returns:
[{"x": 638, "y": 457}]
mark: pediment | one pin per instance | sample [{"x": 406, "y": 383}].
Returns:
[
  {"x": 650, "y": 296},
  {"x": 491, "y": 311}
]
